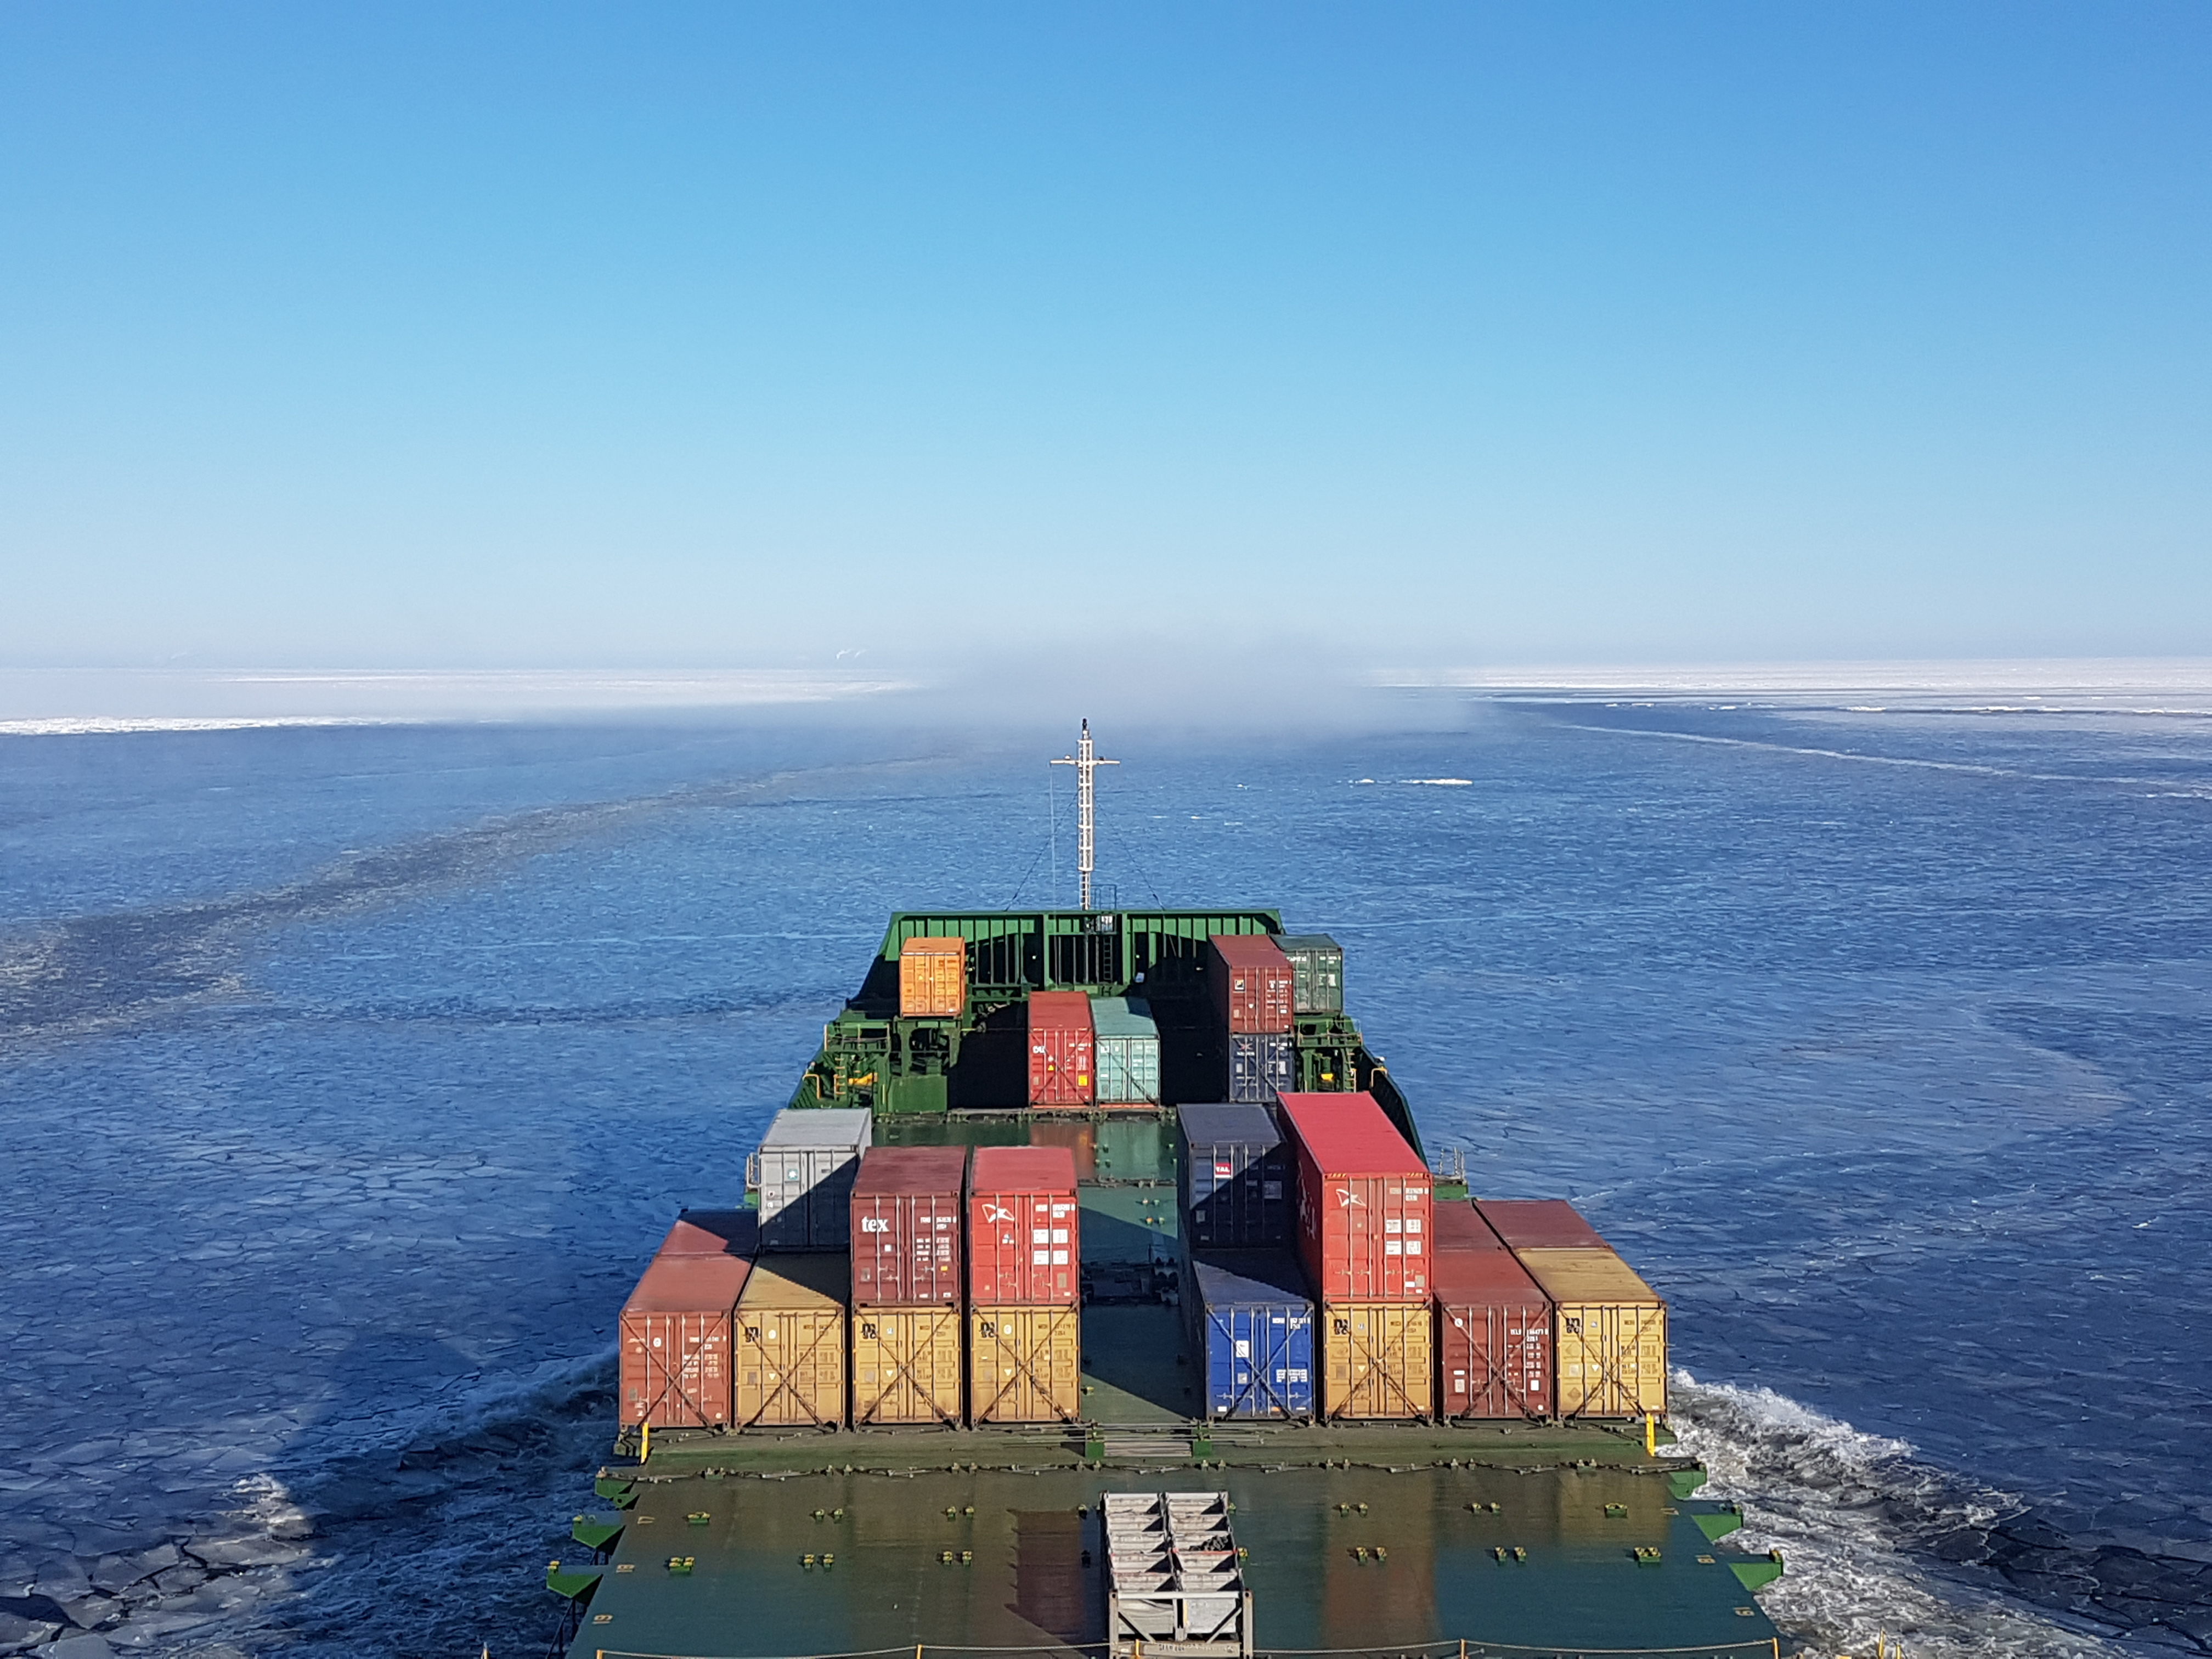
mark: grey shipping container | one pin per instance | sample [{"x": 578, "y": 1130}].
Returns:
[
  {"x": 1128, "y": 1057},
  {"x": 1235, "y": 1178},
  {"x": 805, "y": 1171},
  {"x": 1316, "y": 972},
  {"x": 1256, "y": 1066}
]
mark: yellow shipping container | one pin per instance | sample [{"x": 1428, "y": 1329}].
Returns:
[
  {"x": 1026, "y": 1365},
  {"x": 905, "y": 1365},
  {"x": 789, "y": 1361},
  {"x": 1377, "y": 1360},
  {"x": 1610, "y": 1340},
  {"x": 933, "y": 977}
]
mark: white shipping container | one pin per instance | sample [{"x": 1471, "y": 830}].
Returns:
[{"x": 805, "y": 1171}]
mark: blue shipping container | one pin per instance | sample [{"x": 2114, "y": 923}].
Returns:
[
  {"x": 1255, "y": 1333},
  {"x": 1260, "y": 1066},
  {"x": 1234, "y": 1170}
]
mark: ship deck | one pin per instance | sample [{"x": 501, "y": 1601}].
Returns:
[{"x": 1404, "y": 1539}]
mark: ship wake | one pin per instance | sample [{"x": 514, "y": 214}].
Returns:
[{"x": 1881, "y": 1544}]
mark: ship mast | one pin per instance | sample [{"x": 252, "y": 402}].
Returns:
[{"x": 1083, "y": 760}]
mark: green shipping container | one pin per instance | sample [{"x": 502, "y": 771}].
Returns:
[
  {"x": 1129, "y": 1052},
  {"x": 1316, "y": 972}
]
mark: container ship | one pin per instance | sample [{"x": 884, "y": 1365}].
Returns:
[{"x": 1094, "y": 1293}]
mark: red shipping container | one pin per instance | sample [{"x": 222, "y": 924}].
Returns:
[
  {"x": 676, "y": 1341},
  {"x": 906, "y": 1226},
  {"x": 1539, "y": 1224},
  {"x": 1459, "y": 1228},
  {"x": 1493, "y": 1336},
  {"x": 1024, "y": 1245},
  {"x": 1063, "y": 1061},
  {"x": 713, "y": 1232},
  {"x": 1254, "y": 983},
  {"x": 1363, "y": 1204}
]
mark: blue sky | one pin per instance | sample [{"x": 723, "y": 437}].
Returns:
[{"x": 665, "y": 335}]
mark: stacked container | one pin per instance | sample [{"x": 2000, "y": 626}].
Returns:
[
  {"x": 675, "y": 1340},
  {"x": 789, "y": 1343},
  {"x": 713, "y": 1232},
  {"x": 1025, "y": 1285},
  {"x": 932, "y": 978},
  {"x": 1128, "y": 1049},
  {"x": 1252, "y": 987},
  {"x": 1234, "y": 1171},
  {"x": 804, "y": 1172},
  {"x": 1062, "y": 1060},
  {"x": 1316, "y": 972},
  {"x": 1363, "y": 1213},
  {"x": 908, "y": 1222},
  {"x": 1609, "y": 1328},
  {"x": 1494, "y": 1324},
  {"x": 1253, "y": 1334}
]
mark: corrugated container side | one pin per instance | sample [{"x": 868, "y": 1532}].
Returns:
[
  {"x": 905, "y": 1365},
  {"x": 1254, "y": 1335},
  {"x": 1316, "y": 972},
  {"x": 933, "y": 977},
  {"x": 1062, "y": 1056},
  {"x": 807, "y": 1161},
  {"x": 1378, "y": 1360},
  {"x": 713, "y": 1232},
  {"x": 1251, "y": 981},
  {"x": 789, "y": 1348},
  {"x": 1024, "y": 1229},
  {"x": 1610, "y": 1333},
  {"x": 1026, "y": 1365},
  {"x": 675, "y": 1342},
  {"x": 1539, "y": 1224},
  {"x": 1493, "y": 1336},
  {"x": 1127, "y": 1046},
  {"x": 1256, "y": 1066},
  {"x": 1235, "y": 1176},
  {"x": 1364, "y": 1201},
  {"x": 909, "y": 1219}
]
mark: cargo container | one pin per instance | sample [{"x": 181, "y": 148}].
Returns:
[
  {"x": 1253, "y": 1334},
  {"x": 1609, "y": 1333},
  {"x": 932, "y": 978},
  {"x": 675, "y": 1342},
  {"x": 1364, "y": 1201},
  {"x": 1234, "y": 1174},
  {"x": 905, "y": 1366},
  {"x": 1251, "y": 984},
  {"x": 1256, "y": 1068},
  {"x": 713, "y": 1232},
  {"x": 908, "y": 1221},
  {"x": 1024, "y": 1245},
  {"x": 1127, "y": 1042},
  {"x": 1316, "y": 972},
  {"x": 1378, "y": 1360},
  {"x": 1457, "y": 1227},
  {"x": 1539, "y": 1224},
  {"x": 789, "y": 1348},
  {"x": 1026, "y": 1365},
  {"x": 1063, "y": 1064},
  {"x": 1493, "y": 1333},
  {"x": 804, "y": 1172}
]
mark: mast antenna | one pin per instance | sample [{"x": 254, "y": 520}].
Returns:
[{"x": 1083, "y": 760}]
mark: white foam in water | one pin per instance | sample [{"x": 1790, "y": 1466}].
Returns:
[{"x": 1836, "y": 1502}]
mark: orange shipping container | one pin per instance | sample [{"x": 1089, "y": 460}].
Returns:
[
  {"x": 1026, "y": 1365},
  {"x": 905, "y": 1365},
  {"x": 933, "y": 977},
  {"x": 675, "y": 1342},
  {"x": 1378, "y": 1360},
  {"x": 788, "y": 1363},
  {"x": 1609, "y": 1342}
]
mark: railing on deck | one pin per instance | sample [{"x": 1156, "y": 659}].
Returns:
[{"x": 1766, "y": 1647}]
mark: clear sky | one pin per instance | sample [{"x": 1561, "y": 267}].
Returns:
[{"x": 674, "y": 335}]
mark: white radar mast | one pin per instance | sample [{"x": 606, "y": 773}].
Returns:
[{"x": 1086, "y": 822}]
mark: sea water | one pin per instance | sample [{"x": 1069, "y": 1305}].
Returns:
[{"x": 350, "y": 1074}]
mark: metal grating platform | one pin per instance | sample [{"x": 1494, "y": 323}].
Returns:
[{"x": 1174, "y": 1580}]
